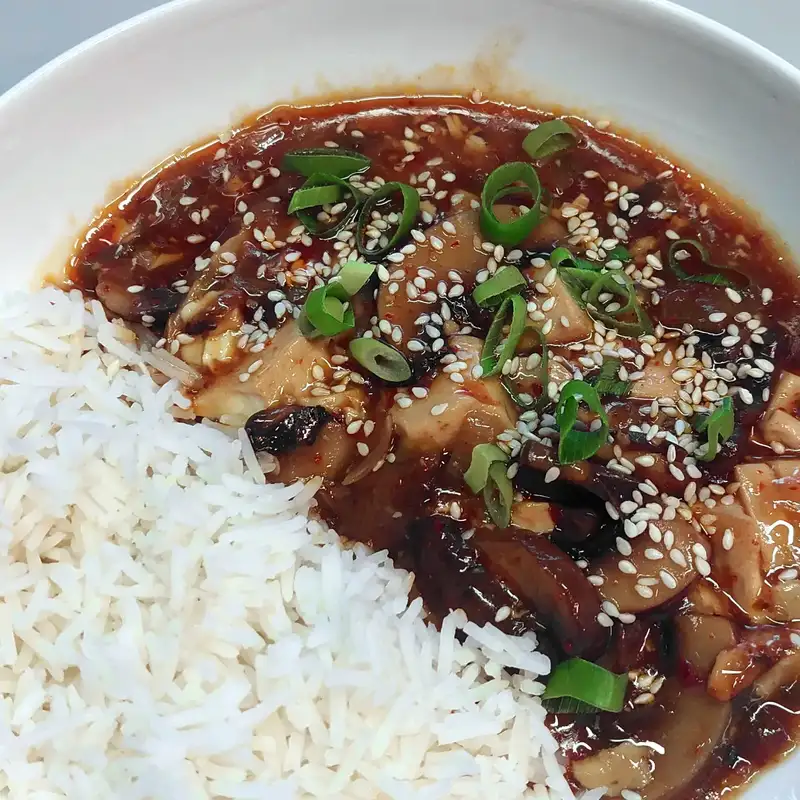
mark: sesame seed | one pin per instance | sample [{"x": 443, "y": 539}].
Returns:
[
  {"x": 605, "y": 620},
  {"x": 734, "y": 296},
  {"x": 135, "y": 289},
  {"x": 610, "y": 608},
  {"x": 438, "y": 410},
  {"x": 668, "y": 579},
  {"x": 363, "y": 448},
  {"x": 703, "y": 567},
  {"x": 728, "y": 539},
  {"x": 552, "y": 474},
  {"x": 623, "y": 546},
  {"x": 678, "y": 557}
]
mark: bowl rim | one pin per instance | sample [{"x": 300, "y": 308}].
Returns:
[{"x": 665, "y": 11}]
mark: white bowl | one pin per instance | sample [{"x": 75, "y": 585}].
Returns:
[{"x": 115, "y": 106}]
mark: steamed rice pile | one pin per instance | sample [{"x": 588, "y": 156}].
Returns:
[{"x": 171, "y": 627}]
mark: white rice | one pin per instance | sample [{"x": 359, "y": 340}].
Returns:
[{"x": 171, "y": 627}]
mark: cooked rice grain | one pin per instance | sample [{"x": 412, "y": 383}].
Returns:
[{"x": 172, "y": 628}]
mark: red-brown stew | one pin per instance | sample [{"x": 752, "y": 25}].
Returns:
[{"x": 548, "y": 369}]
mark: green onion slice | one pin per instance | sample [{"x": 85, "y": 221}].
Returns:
[
  {"x": 314, "y": 196},
  {"x": 561, "y": 257},
  {"x": 718, "y": 427},
  {"x": 607, "y": 381},
  {"x": 506, "y": 281},
  {"x": 491, "y": 361},
  {"x": 619, "y": 253},
  {"x": 327, "y": 311},
  {"x": 408, "y": 215},
  {"x": 353, "y": 276},
  {"x": 713, "y": 278},
  {"x": 587, "y": 281},
  {"x": 575, "y": 445},
  {"x": 323, "y": 182},
  {"x": 332, "y": 161},
  {"x": 498, "y": 495},
  {"x": 483, "y": 456},
  {"x": 590, "y": 688},
  {"x": 548, "y": 138},
  {"x": 381, "y": 359},
  {"x": 504, "y": 181},
  {"x": 620, "y": 284}
]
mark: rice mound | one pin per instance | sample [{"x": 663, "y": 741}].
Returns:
[{"x": 172, "y": 628}]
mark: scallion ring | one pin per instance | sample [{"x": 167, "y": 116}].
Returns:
[
  {"x": 619, "y": 253},
  {"x": 314, "y": 197},
  {"x": 607, "y": 380},
  {"x": 353, "y": 276},
  {"x": 491, "y": 361},
  {"x": 498, "y": 495},
  {"x": 381, "y": 359},
  {"x": 408, "y": 216},
  {"x": 578, "y": 445},
  {"x": 713, "y": 278},
  {"x": 561, "y": 257},
  {"x": 619, "y": 284},
  {"x": 500, "y": 183},
  {"x": 508, "y": 280},
  {"x": 483, "y": 456},
  {"x": 585, "y": 687},
  {"x": 548, "y": 138},
  {"x": 328, "y": 311},
  {"x": 332, "y": 161},
  {"x": 718, "y": 427},
  {"x": 321, "y": 186}
]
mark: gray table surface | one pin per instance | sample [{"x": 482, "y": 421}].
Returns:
[{"x": 34, "y": 31}]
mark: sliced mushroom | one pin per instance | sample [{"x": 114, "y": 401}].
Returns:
[
  {"x": 665, "y": 575},
  {"x": 379, "y": 508},
  {"x": 738, "y": 562},
  {"x": 701, "y": 639},
  {"x": 548, "y": 580},
  {"x": 674, "y": 748},
  {"x": 626, "y": 766},
  {"x": 771, "y": 494},
  {"x": 695, "y": 724},
  {"x": 785, "y": 602},
  {"x": 451, "y": 575},
  {"x": 784, "y": 673},
  {"x": 736, "y": 668}
]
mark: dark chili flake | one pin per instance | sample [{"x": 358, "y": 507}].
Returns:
[{"x": 280, "y": 430}]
